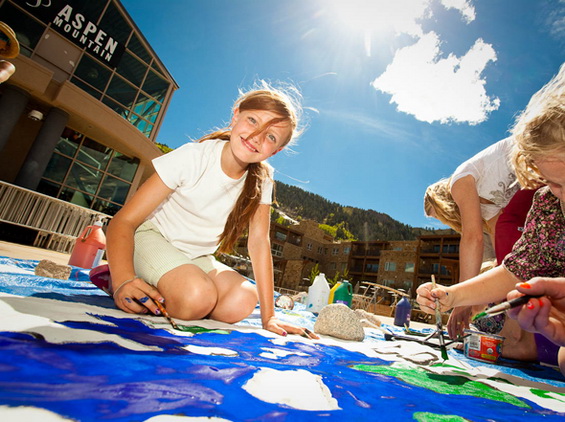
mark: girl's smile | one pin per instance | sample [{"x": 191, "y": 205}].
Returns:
[{"x": 253, "y": 139}]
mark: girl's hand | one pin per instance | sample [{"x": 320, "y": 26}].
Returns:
[
  {"x": 459, "y": 321},
  {"x": 544, "y": 315},
  {"x": 282, "y": 328},
  {"x": 427, "y": 298},
  {"x": 137, "y": 297}
]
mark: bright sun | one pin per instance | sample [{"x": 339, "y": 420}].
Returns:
[{"x": 375, "y": 18}]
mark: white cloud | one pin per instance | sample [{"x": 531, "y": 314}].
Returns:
[
  {"x": 556, "y": 21},
  {"x": 464, "y": 6},
  {"x": 432, "y": 88},
  {"x": 433, "y": 85}
]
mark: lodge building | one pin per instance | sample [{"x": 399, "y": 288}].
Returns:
[{"x": 80, "y": 116}]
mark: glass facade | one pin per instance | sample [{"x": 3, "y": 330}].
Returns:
[
  {"x": 130, "y": 83},
  {"x": 87, "y": 173}
]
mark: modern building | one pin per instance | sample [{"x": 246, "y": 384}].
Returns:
[
  {"x": 79, "y": 118},
  {"x": 438, "y": 255}
]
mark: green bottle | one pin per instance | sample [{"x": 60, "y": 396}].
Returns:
[{"x": 344, "y": 293}]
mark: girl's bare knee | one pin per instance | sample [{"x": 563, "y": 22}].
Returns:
[
  {"x": 236, "y": 306},
  {"x": 188, "y": 296}
]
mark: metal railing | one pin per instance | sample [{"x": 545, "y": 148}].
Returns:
[{"x": 58, "y": 223}]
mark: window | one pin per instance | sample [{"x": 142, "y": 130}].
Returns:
[
  {"x": 280, "y": 236},
  {"x": 117, "y": 26},
  {"x": 346, "y": 250},
  {"x": 309, "y": 246},
  {"x": 28, "y": 30},
  {"x": 93, "y": 73},
  {"x": 139, "y": 50},
  {"x": 277, "y": 250},
  {"x": 87, "y": 173},
  {"x": 335, "y": 251},
  {"x": 372, "y": 268},
  {"x": 132, "y": 69},
  {"x": 320, "y": 250},
  {"x": 390, "y": 266},
  {"x": 409, "y": 267}
]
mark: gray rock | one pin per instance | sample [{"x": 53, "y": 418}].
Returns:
[
  {"x": 50, "y": 269},
  {"x": 337, "y": 320}
]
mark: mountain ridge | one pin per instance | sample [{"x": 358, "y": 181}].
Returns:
[{"x": 364, "y": 225}]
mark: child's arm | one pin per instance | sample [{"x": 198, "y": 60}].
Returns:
[
  {"x": 471, "y": 246},
  {"x": 259, "y": 246},
  {"x": 465, "y": 195},
  {"x": 490, "y": 286},
  {"x": 119, "y": 238}
]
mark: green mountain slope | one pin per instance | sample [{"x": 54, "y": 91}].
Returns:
[{"x": 362, "y": 224}]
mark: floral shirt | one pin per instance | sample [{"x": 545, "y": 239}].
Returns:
[{"x": 540, "y": 252}]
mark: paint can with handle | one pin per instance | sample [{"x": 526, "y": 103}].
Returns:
[{"x": 89, "y": 247}]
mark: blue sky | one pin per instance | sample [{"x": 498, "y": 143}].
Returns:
[{"x": 396, "y": 93}]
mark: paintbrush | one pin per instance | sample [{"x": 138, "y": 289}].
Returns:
[
  {"x": 439, "y": 324},
  {"x": 504, "y": 306},
  {"x": 166, "y": 315}
]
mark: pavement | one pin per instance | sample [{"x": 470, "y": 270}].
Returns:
[{"x": 14, "y": 250}]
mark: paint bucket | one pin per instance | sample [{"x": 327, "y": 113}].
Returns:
[
  {"x": 89, "y": 247},
  {"x": 482, "y": 346}
]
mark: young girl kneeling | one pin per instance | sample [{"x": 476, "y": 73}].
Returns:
[{"x": 203, "y": 196}]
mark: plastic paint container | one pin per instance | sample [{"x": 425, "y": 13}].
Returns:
[
  {"x": 482, "y": 346},
  {"x": 344, "y": 293}
]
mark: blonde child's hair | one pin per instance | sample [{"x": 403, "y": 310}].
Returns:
[
  {"x": 439, "y": 203},
  {"x": 540, "y": 131},
  {"x": 285, "y": 103}
]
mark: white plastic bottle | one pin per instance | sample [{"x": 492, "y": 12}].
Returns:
[{"x": 318, "y": 294}]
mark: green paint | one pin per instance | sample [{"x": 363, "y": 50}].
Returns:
[
  {"x": 443, "y": 384},
  {"x": 547, "y": 394},
  {"x": 434, "y": 417},
  {"x": 479, "y": 316},
  {"x": 194, "y": 329}
]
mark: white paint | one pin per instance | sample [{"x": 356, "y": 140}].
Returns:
[
  {"x": 29, "y": 414},
  {"x": 177, "y": 418},
  {"x": 42, "y": 316},
  {"x": 278, "y": 353},
  {"x": 217, "y": 351},
  {"x": 12, "y": 269},
  {"x": 298, "y": 389}
]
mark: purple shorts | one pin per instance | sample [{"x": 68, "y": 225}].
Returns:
[{"x": 547, "y": 350}]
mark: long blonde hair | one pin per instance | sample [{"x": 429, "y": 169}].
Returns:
[
  {"x": 439, "y": 203},
  {"x": 540, "y": 131},
  {"x": 284, "y": 102}
]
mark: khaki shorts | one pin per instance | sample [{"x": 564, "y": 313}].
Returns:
[{"x": 154, "y": 255}]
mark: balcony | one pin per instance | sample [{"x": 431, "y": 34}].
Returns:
[{"x": 58, "y": 223}]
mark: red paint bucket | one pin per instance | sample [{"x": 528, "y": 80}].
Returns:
[{"x": 483, "y": 346}]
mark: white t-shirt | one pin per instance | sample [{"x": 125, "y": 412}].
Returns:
[
  {"x": 193, "y": 217},
  {"x": 494, "y": 176}
]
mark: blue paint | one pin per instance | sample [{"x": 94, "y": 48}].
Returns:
[{"x": 105, "y": 381}]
